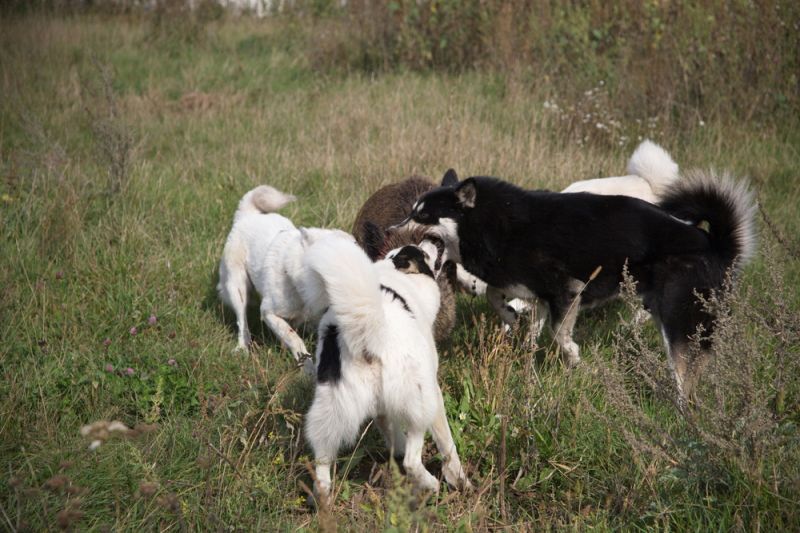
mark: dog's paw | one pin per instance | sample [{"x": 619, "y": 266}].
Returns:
[
  {"x": 455, "y": 476},
  {"x": 571, "y": 354},
  {"x": 307, "y": 364},
  {"x": 240, "y": 349},
  {"x": 425, "y": 481}
]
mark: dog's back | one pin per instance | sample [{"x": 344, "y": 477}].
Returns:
[
  {"x": 388, "y": 206},
  {"x": 650, "y": 171}
]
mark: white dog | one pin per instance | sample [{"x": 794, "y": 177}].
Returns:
[
  {"x": 650, "y": 172},
  {"x": 376, "y": 358},
  {"x": 264, "y": 251}
]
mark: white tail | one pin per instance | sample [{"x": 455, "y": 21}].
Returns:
[
  {"x": 352, "y": 287},
  {"x": 652, "y": 163},
  {"x": 263, "y": 199}
]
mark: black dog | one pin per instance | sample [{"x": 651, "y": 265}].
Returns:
[{"x": 569, "y": 250}]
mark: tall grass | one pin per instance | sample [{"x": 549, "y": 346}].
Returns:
[
  {"x": 123, "y": 152},
  {"x": 674, "y": 60}
]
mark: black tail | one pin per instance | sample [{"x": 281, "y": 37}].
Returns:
[{"x": 725, "y": 205}]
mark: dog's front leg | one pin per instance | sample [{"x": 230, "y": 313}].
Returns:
[
  {"x": 507, "y": 313},
  {"x": 453, "y": 471},
  {"x": 468, "y": 282},
  {"x": 287, "y": 335},
  {"x": 564, "y": 318}
]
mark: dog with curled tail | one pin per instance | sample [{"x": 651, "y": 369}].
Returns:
[
  {"x": 377, "y": 359},
  {"x": 263, "y": 256}
]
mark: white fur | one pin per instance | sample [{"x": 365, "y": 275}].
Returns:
[
  {"x": 388, "y": 364},
  {"x": 264, "y": 251},
  {"x": 650, "y": 171}
]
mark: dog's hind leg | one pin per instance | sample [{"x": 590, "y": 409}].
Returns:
[
  {"x": 287, "y": 335},
  {"x": 563, "y": 322},
  {"x": 393, "y": 435},
  {"x": 412, "y": 461},
  {"x": 443, "y": 437},
  {"x": 233, "y": 286}
]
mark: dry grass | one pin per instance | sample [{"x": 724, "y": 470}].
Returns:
[{"x": 190, "y": 125}]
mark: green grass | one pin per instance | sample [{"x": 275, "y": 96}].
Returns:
[{"x": 90, "y": 251}]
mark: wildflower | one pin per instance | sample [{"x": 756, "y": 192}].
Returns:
[
  {"x": 171, "y": 335},
  {"x": 101, "y": 430},
  {"x": 133, "y": 330},
  {"x": 172, "y": 362},
  {"x": 60, "y": 274},
  {"x": 106, "y": 342},
  {"x": 462, "y": 416},
  {"x": 109, "y": 367},
  {"x": 152, "y": 320},
  {"x": 129, "y": 371}
]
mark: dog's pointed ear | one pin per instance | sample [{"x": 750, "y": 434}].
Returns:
[
  {"x": 466, "y": 193},
  {"x": 450, "y": 178},
  {"x": 373, "y": 240}
]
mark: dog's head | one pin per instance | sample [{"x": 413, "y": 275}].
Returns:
[
  {"x": 442, "y": 209},
  {"x": 414, "y": 259}
]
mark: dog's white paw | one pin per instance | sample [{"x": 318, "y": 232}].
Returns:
[
  {"x": 308, "y": 366},
  {"x": 323, "y": 496},
  {"x": 455, "y": 476},
  {"x": 572, "y": 355},
  {"x": 425, "y": 481}
]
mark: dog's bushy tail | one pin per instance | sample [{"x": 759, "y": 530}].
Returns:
[
  {"x": 263, "y": 199},
  {"x": 726, "y": 205},
  {"x": 350, "y": 282},
  {"x": 653, "y": 164}
]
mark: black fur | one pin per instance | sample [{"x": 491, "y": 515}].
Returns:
[
  {"x": 396, "y": 296},
  {"x": 412, "y": 255},
  {"x": 545, "y": 241},
  {"x": 330, "y": 361}
]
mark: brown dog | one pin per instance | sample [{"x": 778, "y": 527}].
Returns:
[{"x": 388, "y": 206}]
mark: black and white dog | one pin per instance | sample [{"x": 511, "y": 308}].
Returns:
[
  {"x": 376, "y": 358},
  {"x": 549, "y": 245}
]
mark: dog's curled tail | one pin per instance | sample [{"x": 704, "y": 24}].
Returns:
[
  {"x": 350, "y": 282},
  {"x": 653, "y": 164},
  {"x": 727, "y": 206},
  {"x": 263, "y": 199}
]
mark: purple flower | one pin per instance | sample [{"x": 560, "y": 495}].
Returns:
[
  {"x": 109, "y": 367},
  {"x": 60, "y": 274},
  {"x": 134, "y": 331},
  {"x": 129, "y": 371},
  {"x": 152, "y": 320},
  {"x": 172, "y": 362},
  {"x": 106, "y": 342}
]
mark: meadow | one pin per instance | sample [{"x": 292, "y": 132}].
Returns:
[{"x": 126, "y": 141}]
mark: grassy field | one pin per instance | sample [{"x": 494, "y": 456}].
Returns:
[{"x": 125, "y": 144}]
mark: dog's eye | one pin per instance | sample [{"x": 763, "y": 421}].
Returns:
[{"x": 423, "y": 216}]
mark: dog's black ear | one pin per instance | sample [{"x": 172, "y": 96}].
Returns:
[
  {"x": 466, "y": 192},
  {"x": 450, "y": 178},
  {"x": 373, "y": 240}
]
